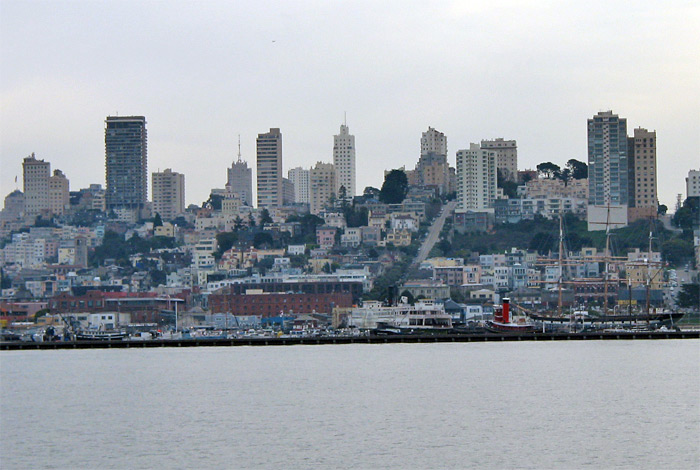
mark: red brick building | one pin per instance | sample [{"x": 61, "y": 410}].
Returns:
[
  {"x": 270, "y": 304},
  {"x": 143, "y": 307}
]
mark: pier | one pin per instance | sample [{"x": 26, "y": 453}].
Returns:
[{"x": 372, "y": 339}]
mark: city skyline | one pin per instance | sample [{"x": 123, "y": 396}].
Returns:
[{"x": 536, "y": 84}]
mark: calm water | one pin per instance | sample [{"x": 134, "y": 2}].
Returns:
[{"x": 590, "y": 404}]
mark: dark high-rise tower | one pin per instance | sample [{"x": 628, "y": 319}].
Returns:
[{"x": 126, "y": 162}]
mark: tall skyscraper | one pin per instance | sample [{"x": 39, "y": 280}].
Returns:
[
  {"x": 507, "y": 154},
  {"x": 59, "y": 193},
  {"x": 432, "y": 168},
  {"x": 476, "y": 179},
  {"x": 323, "y": 184},
  {"x": 36, "y": 174},
  {"x": 126, "y": 163},
  {"x": 344, "y": 159},
  {"x": 607, "y": 160},
  {"x": 240, "y": 179},
  {"x": 300, "y": 178},
  {"x": 641, "y": 155},
  {"x": 269, "y": 166},
  {"x": 608, "y": 191},
  {"x": 168, "y": 192}
]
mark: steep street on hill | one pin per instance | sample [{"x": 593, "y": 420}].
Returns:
[{"x": 433, "y": 234}]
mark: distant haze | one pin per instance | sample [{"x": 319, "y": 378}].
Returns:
[{"x": 204, "y": 72}]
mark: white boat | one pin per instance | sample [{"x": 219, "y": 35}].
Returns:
[
  {"x": 100, "y": 335},
  {"x": 425, "y": 315}
]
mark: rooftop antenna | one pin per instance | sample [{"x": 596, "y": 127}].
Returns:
[
  {"x": 345, "y": 118},
  {"x": 239, "y": 148}
]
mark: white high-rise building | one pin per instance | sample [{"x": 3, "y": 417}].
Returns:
[
  {"x": 344, "y": 159},
  {"x": 269, "y": 166},
  {"x": 476, "y": 178},
  {"x": 433, "y": 141},
  {"x": 323, "y": 184},
  {"x": 36, "y": 174},
  {"x": 59, "y": 193},
  {"x": 507, "y": 153},
  {"x": 300, "y": 178},
  {"x": 692, "y": 184},
  {"x": 168, "y": 190}
]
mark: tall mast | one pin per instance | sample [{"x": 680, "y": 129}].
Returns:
[
  {"x": 239, "y": 148},
  {"x": 607, "y": 262},
  {"x": 649, "y": 267},
  {"x": 561, "y": 266}
]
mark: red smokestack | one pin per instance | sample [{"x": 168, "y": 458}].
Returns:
[{"x": 506, "y": 310}]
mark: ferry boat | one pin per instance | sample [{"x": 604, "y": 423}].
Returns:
[
  {"x": 501, "y": 321},
  {"x": 424, "y": 316},
  {"x": 100, "y": 335}
]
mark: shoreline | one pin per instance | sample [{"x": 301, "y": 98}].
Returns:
[{"x": 373, "y": 339}]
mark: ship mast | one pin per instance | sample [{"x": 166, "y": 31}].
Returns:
[
  {"x": 561, "y": 266},
  {"x": 649, "y": 268},
  {"x": 607, "y": 262}
]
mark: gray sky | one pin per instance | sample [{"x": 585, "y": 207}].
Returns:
[{"x": 203, "y": 72}]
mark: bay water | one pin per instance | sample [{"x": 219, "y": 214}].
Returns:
[{"x": 564, "y": 404}]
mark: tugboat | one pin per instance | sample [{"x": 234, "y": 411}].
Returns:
[{"x": 501, "y": 321}]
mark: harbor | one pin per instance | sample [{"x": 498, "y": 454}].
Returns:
[{"x": 363, "y": 339}]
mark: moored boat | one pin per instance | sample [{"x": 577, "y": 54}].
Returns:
[
  {"x": 100, "y": 335},
  {"x": 501, "y": 321}
]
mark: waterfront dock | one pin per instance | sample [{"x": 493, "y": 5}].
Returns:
[{"x": 371, "y": 339}]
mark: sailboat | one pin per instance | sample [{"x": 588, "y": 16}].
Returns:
[{"x": 582, "y": 320}]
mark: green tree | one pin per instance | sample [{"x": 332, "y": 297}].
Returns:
[
  {"x": 510, "y": 188},
  {"x": 263, "y": 240},
  {"x": 565, "y": 176},
  {"x": 266, "y": 264},
  {"x": 395, "y": 187},
  {"x": 689, "y": 295},
  {"x": 157, "y": 221},
  {"x": 688, "y": 216},
  {"x": 541, "y": 242},
  {"x": 237, "y": 223},
  {"x": 677, "y": 251},
  {"x": 214, "y": 202},
  {"x": 548, "y": 170},
  {"x": 265, "y": 217},
  {"x": 225, "y": 241},
  {"x": 158, "y": 277},
  {"x": 662, "y": 209},
  {"x": 579, "y": 170},
  {"x": 356, "y": 216}
]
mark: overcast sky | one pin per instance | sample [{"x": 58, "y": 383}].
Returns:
[{"x": 204, "y": 72}]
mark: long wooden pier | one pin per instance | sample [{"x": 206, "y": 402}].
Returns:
[{"x": 372, "y": 339}]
